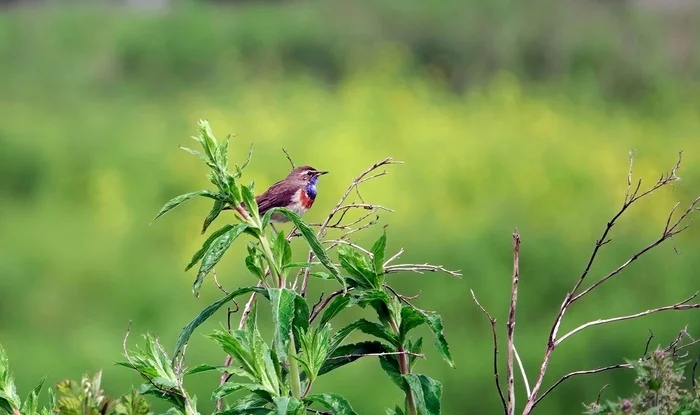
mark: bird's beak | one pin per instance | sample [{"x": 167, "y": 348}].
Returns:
[{"x": 321, "y": 173}]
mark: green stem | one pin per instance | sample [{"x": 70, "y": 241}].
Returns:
[
  {"x": 405, "y": 370},
  {"x": 294, "y": 369},
  {"x": 270, "y": 258}
]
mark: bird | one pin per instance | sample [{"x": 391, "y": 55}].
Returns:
[{"x": 296, "y": 192}]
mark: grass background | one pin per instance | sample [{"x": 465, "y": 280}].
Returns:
[{"x": 505, "y": 116}]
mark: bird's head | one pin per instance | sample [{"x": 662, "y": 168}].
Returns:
[{"x": 305, "y": 175}]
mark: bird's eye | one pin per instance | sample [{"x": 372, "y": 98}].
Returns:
[{"x": 310, "y": 173}]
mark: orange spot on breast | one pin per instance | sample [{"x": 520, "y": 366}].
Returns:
[{"x": 305, "y": 200}]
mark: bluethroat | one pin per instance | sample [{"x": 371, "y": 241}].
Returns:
[{"x": 295, "y": 192}]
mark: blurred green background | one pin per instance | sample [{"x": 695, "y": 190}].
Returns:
[{"x": 506, "y": 113}]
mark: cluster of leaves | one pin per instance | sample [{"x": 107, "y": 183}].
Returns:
[
  {"x": 276, "y": 377},
  {"x": 659, "y": 378},
  {"x": 71, "y": 398}
]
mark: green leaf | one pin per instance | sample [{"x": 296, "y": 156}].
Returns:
[
  {"x": 321, "y": 275},
  {"x": 223, "y": 151},
  {"x": 249, "y": 200},
  {"x": 367, "y": 327},
  {"x": 206, "y": 137},
  {"x": 359, "y": 268},
  {"x": 203, "y": 368},
  {"x": 282, "y": 250},
  {"x": 427, "y": 393},
  {"x": 412, "y": 317},
  {"x": 301, "y": 312},
  {"x": 213, "y": 214},
  {"x": 395, "y": 411},
  {"x": 215, "y": 252},
  {"x": 204, "y": 158},
  {"x": 348, "y": 353},
  {"x": 337, "y": 305},
  {"x": 239, "y": 170},
  {"x": 208, "y": 312},
  {"x": 310, "y": 237},
  {"x": 31, "y": 402},
  {"x": 378, "y": 250},
  {"x": 282, "y": 300},
  {"x": 9, "y": 399},
  {"x": 302, "y": 265},
  {"x": 378, "y": 300},
  {"x": 390, "y": 364},
  {"x": 285, "y": 405},
  {"x": 435, "y": 324},
  {"x": 247, "y": 405},
  {"x": 205, "y": 246},
  {"x": 335, "y": 403},
  {"x": 177, "y": 201},
  {"x": 232, "y": 387}
]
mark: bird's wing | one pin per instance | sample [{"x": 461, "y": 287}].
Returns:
[{"x": 279, "y": 194}]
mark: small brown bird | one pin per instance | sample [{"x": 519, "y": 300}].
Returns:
[{"x": 296, "y": 192}]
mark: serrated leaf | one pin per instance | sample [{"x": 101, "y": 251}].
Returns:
[
  {"x": 202, "y": 368},
  {"x": 207, "y": 139},
  {"x": 285, "y": 405},
  {"x": 207, "y": 243},
  {"x": 208, "y": 312},
  {"x": 337, "y": 305},
  {"x": 336, "y": 403},
  {"x": 215, "y": 252},
  {"x": 177, "y": 201},
  {"x": 232, "y": 387},
  {"x": 282, "y": 250},
  {"x": 223, "y": 151},
  {"x": 427, "y": 393},
  {"x": 377, "y": 299},
  {"x": 435, "y": 324},
  {"x": 378, "y": 250},
  {"x": 391, "y": 366},
  {"x": 310, "y": 238},
  {"x": 213, "y": 214},
  {"x": 367, "y": 327},
  {"x": 348, "y": 353},
  {"x": 359, "y": 268},
  {"x": 282, "y": 300}
]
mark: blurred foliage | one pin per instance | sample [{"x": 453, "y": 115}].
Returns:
[{"x": 93, "y": 103}]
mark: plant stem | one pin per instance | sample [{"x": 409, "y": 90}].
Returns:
[
  {"x": 405, "y": 370},
  {"x": 267, "y": 251},
  {"x": 294, "y": 369}
]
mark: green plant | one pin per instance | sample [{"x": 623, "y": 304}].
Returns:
[
  {"x": 661, "y": 391},
  {"x": 277, "y": 376}
]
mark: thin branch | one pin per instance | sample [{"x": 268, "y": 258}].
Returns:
[
  {"x": 581, "y": 372},
  {"x": 336, "y": 242},
  {"x": 495, "y": 351},
  {"x": 363, "y": 177},
  {"x": 522, "y": 371},
  {"x": 673, "y": 307},
  {"x": 322, "y": 304},
  {"x": 393, "y": 258},
  {"x": 571, "y": 296},
  {"x": 289, "y": 158},
  {"x": 511, "y": 325},
  {"x": 597, "y": 400},
  {"x": 420, "y": 268},
  {"x": 646, "y": 346}
]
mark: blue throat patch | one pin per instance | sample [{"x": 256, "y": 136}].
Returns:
[{"x": 311, "y": 188}]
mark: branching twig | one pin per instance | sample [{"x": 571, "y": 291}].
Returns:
[
  {"x": 323, "y": 303},
  {"x": 420, "y": 268},
  {"x": 364, "y": 176},
  {"x": 581, "y": 372},
  {"x": 671, "y": 229},
  {"x": 678, "y": 306},
  {"x": 495, "y": 351}
]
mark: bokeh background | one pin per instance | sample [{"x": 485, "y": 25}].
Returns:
[{"x": 506, "y": 114}]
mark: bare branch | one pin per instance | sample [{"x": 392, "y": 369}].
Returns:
[
  {"x": 495, "y": 351},
  {"x": 420, "y": 268},
  {"x": 393, "y": 258},
  {"x": 318, "y": 307},
  {"x": 522, "y": 371},
  {"x": 363, "y": 177},
  {"x": 581, "y": 372},
  {"x": 289, "y": 158},
  {"x": 511, "y": 324},
  {"x": 674, "y": 307},
  {"x": 336, "y": 242}
]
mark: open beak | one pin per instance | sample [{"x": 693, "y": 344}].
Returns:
[{"x": 321, "y": 173}]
